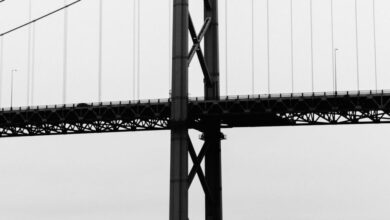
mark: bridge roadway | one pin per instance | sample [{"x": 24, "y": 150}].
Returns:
[{"x": 233, "y": 111}]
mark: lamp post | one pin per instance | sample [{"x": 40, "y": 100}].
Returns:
[{"x": 12, "y": 84}]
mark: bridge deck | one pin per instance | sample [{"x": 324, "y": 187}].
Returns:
[{"x": 233, "y": 111}]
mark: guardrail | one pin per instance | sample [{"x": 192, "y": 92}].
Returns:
[{"x": 168, "y": 100}]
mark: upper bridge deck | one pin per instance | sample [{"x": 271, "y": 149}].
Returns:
[{"x": 233, "y": 111}]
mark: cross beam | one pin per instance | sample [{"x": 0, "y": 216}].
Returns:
[
  {"x": 196, "y": 47},
  {"x": 197, "y": 160}
]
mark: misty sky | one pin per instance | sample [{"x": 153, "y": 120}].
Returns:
[{"x": 278, "y": 173}]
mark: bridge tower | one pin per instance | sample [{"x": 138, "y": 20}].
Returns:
[{"x": 181, "y": 145}]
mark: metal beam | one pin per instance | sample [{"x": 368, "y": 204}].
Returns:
[
  {"x": 197, "y": 162},
  {"x": 197, "y": 49},
  {"x": 212, "y": 133},
  {"x": 178, "y": 203},
  {"x": 199, "y": 171},
  {"x": 197, "y": 39}
]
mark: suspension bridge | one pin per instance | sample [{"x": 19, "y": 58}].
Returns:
[{"x": 207, "y": 114}]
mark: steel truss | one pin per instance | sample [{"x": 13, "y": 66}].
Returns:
[
  {"x": 92, "y": 118},
  {"x": 241, "y": 111},
  {"x": 283, "y": 110}
]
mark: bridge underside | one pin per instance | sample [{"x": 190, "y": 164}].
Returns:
[{"x": 240, "y": 111}]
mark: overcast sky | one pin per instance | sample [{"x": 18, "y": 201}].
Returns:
[{"x": 327, "y": 172}]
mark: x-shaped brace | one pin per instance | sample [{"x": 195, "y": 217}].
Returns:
[
  {"x": 196, "y": 169},
  {"x": 197, "y": 39}
]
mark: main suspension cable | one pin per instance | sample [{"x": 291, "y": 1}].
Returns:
[
  {"x": 357, "y": 46},
  {"x": 375, "y": 46},
  {"x": 39, "y": 18}
]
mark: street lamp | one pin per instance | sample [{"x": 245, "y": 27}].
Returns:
[{"x": 12, "y": 84}]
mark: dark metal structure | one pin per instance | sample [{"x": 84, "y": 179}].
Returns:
[
  {"x": 212, "y": 135},
  {"x": 237, "y": 111},
  {"x": 207, "y": 114},
  {"x": 178, "y": 197}
]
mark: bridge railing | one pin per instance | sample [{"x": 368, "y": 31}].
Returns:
[
  {"x": 196, "y": 99},
  {"x": 296, "y": 95}
]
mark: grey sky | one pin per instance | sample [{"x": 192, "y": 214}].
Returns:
[{"x": 269, "y": 173}]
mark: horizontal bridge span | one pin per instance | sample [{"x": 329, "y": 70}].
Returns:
[{"x": 237, "y": 111}]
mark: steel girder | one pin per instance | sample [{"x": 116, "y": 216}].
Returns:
[
  {"x": 242, "y": 111},
  {"x": 94, "y": 118},
  {"x": 296, "y": 110}
]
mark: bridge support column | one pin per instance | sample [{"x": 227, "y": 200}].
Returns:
[
  {"x": 178, "y": 199},
  {"x": 212, "y": 132}
]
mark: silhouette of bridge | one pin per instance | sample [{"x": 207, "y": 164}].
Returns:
[
  {"x": 206, "y": 114},
  {"x": 232, "y": 111}
]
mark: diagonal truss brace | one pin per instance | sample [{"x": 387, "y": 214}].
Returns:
[
  {"x": 196, "y": 169},
  {"x": 207, "y": 3},
  {"x": 197, "y": 39}
]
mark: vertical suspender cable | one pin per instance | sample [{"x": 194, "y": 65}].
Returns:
[
  {"x": 292, "y": 45},
  {"x": 100, "y": 59},
  {"x": 138, "y": 48},
  {"x": 268, "y": 48},
  {"x": 375, "y": 48},
  {"x": 1, "y": 66},
  {"x": 253, "y": 48},
  {"x": 226, "y": 48},
  {"x": 311, "y": 46},
  {"x": 12, "y": 87},
  {"x": 134, "y": 47},
  {"x": 335, "y": 70},
  {"x": 333, "y": 49},
  {"x": 170, "y": 6},
  {"x": 357, "y": 46},
  {"x": 33, "y": 63},
  {"x": 65, "y": 55},
  {"x": 29, "y": 55}
]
